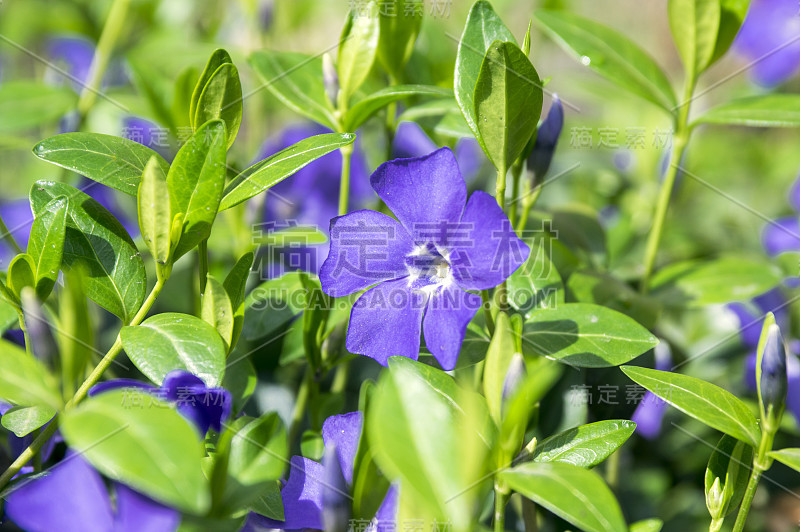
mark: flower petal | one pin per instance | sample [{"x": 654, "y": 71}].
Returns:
[
  {"x": 648, "y": 416},
  {"x": 115, "y": 384},
  {"x": 302, "y": 499},
  {"x": 204, "y": 407},
  {"x": 367, "y": 247},
  {"x": 423, "y": 192},
  {"x": 386, "y": 321},
  {"x": 490, "y": 251},
  {"x": 386, "y": 516},
  {"x": 446, "y": 318},
  {"x": 411, "y": 141},
  {"x": 344, "y": 432},
  {"x": 781, "y": 235},
  {"x": 70, "y": 497},
  {"x": 137, "y": 512}
]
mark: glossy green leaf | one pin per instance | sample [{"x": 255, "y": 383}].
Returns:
[
  {"x": 696, "y": 284},
  {"x": 400, "y": 23},
  {"x": 155, "y": 215},
  {"x": 726, "y": 476},
  {"x": 576, "y": 495},
  {"x": 46, "y": 245},
  {"x": 24, "y": 381},
  {"x": 695, "y": 27},
  {"x": 441, "y": 116},
  {"x": 482, "y": 29},
  {"x": 771, "y": 110},
  {"x": 8, "y": 316},
  {"x": 273, "y": 304},
  {"x": 275, "y": 168},
  {"x": 195, "y": 181},
  {"x": 709, "y": 404},
  {"x": 21, "y": 274},
  {"x": 585, "y": 335},
  {"x": 240, "y": 379},
  {"x": 508, "y": 102},
  {"x": 217, "y": 310},
  {"x": 296, "y": 80},
  {"x": 221, "y": 99},
  {"x": 269, "y": 502},
  {"x": 358, "y": 48},
  {"x": 610, "y": 54},
  {"x": 138, "y": 440},
  {"x": 789, "y": 457},
  {"x": 535, "y": 285},
  {"x": 419, "y": 438},
  {"x": 498, "y": 358},
  {"x": 22, "y": 420},
  {"x": 235, "y": 285},
  {"x": 170, "y": 341},
  {"x": 587, "y": 286},
  {"x": 732, "y": 13},
  {"x": 113, "y": 161},
  {"x": 97, "y": 242},
  {"x": 587, "y": 445},
  {"x": 368, "y": 106},
  {"x": 28, "y": 104},
  {"x": 218, "y": 58}
]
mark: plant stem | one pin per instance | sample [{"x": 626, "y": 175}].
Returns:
[
  {"x": 516, "y": 174},
  {"x": 487, "y": 311},
  {"x": 761, "y": 463},
  {"x": 500, "y": 500},
  {"x": 680, "y": 142},
  {"x": 202, "y": 251},
  {"x": 80, "y": 395},
  {"x": 344, "y": 183},
  {"x": 716, "y": 525},
  {"x": 102, "y": 55},
  {"x": 500, "y": 187},
  {"x": 8, "y": 238},
  {"x": 300, "y": 405}
]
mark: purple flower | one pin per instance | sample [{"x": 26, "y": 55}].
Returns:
[
  {"x": 204, "y": 407},
  {"x": 311, "y": 196},
  {"x": 423, "y": 263},
  {"x": 71, "y": 496},
  {"x": 411, "y": 141},
  {"x": 18, "y": 218},
  {"x": 649, "y": 415},
  {"x": 315, "y": 491},
  {"x": 546, "y": 141},
  {"x": 148, "y": 134},
  {"x": 781, "y": 235},
  {"x": 769, "y": 38},
  {"x": 76, "y": 54}
]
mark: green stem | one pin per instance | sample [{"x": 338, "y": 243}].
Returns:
[
  {"x": 300, "y": 406},
  {"x": 487, "y": 311},
  {"x": 500, "y": 188},
  {"x": 500, "y": 500},
  {"x": 8, "y": 238},
  {"x": 80, "y": 395},
  {"x": 516, "y": 174},
  {"x": 761, "y": 463},
  {"x": 680, "y": 142},
  {"x": 202, "y": 251},
  {"x": 716, "y": 525},
  {"x": 344, "y": 183},
  {"x": 102, "y": 55},
  {"x": 612, "y": 470}
]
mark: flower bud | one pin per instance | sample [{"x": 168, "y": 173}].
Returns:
[
  {"x": 726, "y": 476},
  {"x": 330, "y": 79},
  {"x": 773, "y": 383},
  {"x": 266, "y": 10},
  {"x": 515, "y": 376},
  {"x": 335, "y": 499},
  {"x": 546, "y": 141}
]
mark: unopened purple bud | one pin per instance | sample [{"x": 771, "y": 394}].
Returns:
[
  {"x": 546, "y": 141},
  {"x": 774, "y": 380},
  {"x": 335, "y": 498},
  {"x": 266, "y": 11},
  {"x": 330, "y": 78},
  {"x": 515, "y": 376}
]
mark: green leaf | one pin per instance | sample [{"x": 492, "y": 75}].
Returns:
[
  {"x": 269, "y": 502},
  {"x": 273, "y": 304},
  {"x": 22, "y": 420},
  {"x": 96, "y": 241},
  {"x": 586, "y": 286},
  {"x": 275, "y": 168},
  {"x": 576, "y": 495},
  {"x": 358, "y": 48},
  {"x": 218, "y": 58},
  {"x": 28, "y": 104},
  {"x": 610, "y": 54},
  {"x": 587, "y": 445},
  {"x": 482, "y": 29},
  {"x": 21, "y": 274},
  {"x": 498, "y": 358},
  {"x": 789, "y": 457},
  {"x": 707, "y": 403},
  {"x": 221, "y": 99},
  {"x": 195, "y": 181},
  {"x": 647, "y": 525},
  {"x": 696, "y": 284},
  {"x": 536, "y": 285},
  {"x": 113, "y": 161},
  {"x": 726, "y": 476},
  {"x": 170, "y": 341},
  {"x": 240, "y": 379},
  {"x": 75, "y": 333},
  {"x": 508, "y": 102},
  {"x": 138, "y": 440},
  {"x": 733, "y": 13},
  {"x": 441, "y": 116},
  {"x": 695, "y": 26},
  {"x": 368, "y": 106},
  {"x": 46, "y": 245},
  {"x": 217, "y": 310},
  {"x": 155, "y": 215},
  {"x": 24, "y": 381},
  {"x": 771, "y": 110},
  {"x": 399, "y": 27},
  {"x": 296, "y": 80},
  {"x": 235, "y": 285},
  {"x": 585, "y": 335},
  {"x": 419, "y": 438}
]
